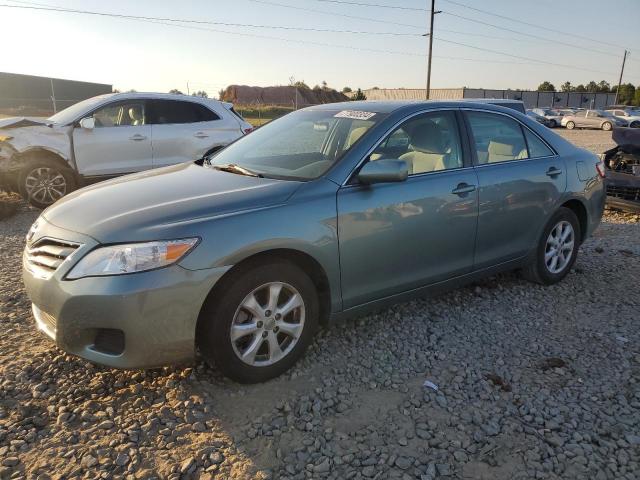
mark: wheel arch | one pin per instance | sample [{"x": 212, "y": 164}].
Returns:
[
  {"x": 580, "y": 211},
  {"x": 46, "y": 152},
  {"x": 302, "y": 260}
]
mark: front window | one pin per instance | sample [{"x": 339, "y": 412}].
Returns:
[
  {"x": 428, "y": 143},
  {"x": 121, "y": 114},
  {"x": 299, "y": 146}
]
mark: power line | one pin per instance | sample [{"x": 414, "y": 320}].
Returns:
[
  {"x": 313, "y": 10},
  {"x": 171, "y": 22},
  {"x": 520, "y": 56},
  {"x": 378, "y": 5},
  {"x": 201, "y": 22},
  {"x": 517, "y": 32},
  {"x": 538, "y": 37},
  {"x": 531, "y": 24}
]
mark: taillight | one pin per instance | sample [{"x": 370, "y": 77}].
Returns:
[
  {"x": 247, "y": 130},
  {"x": 600, "y": 169}
]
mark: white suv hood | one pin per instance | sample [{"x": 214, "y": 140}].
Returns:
[{"x": 26, "y": 133}]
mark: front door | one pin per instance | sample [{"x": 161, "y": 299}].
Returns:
[
  {"x": 395, "y": 237},
  {"x": 520, "y": 179},
  {"x": 119, "y": 143}
]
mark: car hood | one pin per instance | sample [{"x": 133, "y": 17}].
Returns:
[
  {"x": 163, "y": 203},
  {"x": 626, "y": 136},
  {"x": 24, "y": 133},
  {"x": 18, "y": 122}
]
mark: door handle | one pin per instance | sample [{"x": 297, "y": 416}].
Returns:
[
  {"x": 463, "y": 189},
  {"x": 137, "y": 137},
  {"x": 553, "y": 172},
  {"x": 200, "y": 135}
]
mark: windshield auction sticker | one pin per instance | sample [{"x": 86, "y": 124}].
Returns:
[{"x": 354, "y": 114}]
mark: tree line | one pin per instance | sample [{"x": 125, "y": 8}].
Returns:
[{"x": 629, "y": 94}]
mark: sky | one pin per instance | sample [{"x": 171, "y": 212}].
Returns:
[{"x": 155, "y": 55}]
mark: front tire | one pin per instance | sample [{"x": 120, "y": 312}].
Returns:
[
  {"x": 260, "y": 322},
  {"x": 557, "y": 249},
  {"x": 606, "y": 126},
  {"x": 552, "y": 124},
  {"x": 571, "y": 125},
  {"x": 44, "y": 181},
  {"x": 635, "y": 124}
]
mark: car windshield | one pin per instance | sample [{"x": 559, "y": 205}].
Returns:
[
  {"x": 72, "y": 113},
  {"x": 299, "y": 146}
]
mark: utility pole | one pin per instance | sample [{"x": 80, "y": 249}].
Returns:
[
  {"x": 430, "y": 34},
  {"x": 620, "y": 81},
  {"x": 188, "y": 93},
  {"x": 53, "y": 97}
]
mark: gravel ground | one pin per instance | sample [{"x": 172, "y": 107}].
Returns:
[
  {"x": 533, "y": 382},
  {"x": 595, "y": 140}
]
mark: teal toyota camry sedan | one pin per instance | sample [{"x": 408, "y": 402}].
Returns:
[{"x": 327, "y": 212}]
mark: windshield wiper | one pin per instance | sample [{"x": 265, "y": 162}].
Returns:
[{"x": 233, "y": 168}]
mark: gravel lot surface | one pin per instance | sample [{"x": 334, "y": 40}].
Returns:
[{"x": 533, "y": 382}]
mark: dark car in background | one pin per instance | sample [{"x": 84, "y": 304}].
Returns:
[
  {"x": 622, "y": 165},
  {"x": 540, "y": 119}
]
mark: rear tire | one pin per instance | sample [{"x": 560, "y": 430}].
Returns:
[
  {"x": 606, "y": 126},
  {"x": 552, "y": 124},
  {"x": 571, "y": 125},
  {"x": 543, "y": 269},
  {"x": 43, "y": 181},
  {"x": 250, "y": 308}
]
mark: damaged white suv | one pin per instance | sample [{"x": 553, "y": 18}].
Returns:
[{"x": 107, "y": 136}]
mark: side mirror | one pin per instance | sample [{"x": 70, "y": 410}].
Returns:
[
  {"x": 88, "y": 122},
  {"x": 383, "y": 171}
]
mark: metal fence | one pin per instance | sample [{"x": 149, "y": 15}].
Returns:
[
  {"x": 531, "y": 99},
  {"x": 31, "y": 95}
]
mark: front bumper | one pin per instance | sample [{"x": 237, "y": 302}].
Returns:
[{"x": 139, "y": 320}]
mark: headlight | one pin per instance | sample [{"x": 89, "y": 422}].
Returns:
[{"x": 130, "y": 258}]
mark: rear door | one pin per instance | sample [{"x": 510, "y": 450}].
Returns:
[
  {"x": 593, "y": 120},
  {"x": 184, "y": 131},
  {"x": 580, "y": 118},
  {"x": 521, "y": 180},
  {"x": 119, "y": 143}
]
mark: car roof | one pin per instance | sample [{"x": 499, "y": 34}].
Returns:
[
  {"x": 162, "y": 96},
  {"x": 409, "y": 105}
]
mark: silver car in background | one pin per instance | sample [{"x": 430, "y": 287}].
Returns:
[
  {"x": 592, "y": 119},
  {"x": 632, "y": 117},
  {"x": 107, "y": 136}
]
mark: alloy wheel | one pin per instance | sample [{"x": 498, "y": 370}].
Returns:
[
  {"x": 268, "y": 324},
  {"x": 45, "y": 185},
  {"x": 559, "y": 247}
]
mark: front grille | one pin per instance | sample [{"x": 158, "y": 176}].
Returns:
[
  {"x": 47, "y": 254},
  {"x": 624, "y": 193}
]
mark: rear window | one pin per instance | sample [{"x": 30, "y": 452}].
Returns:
[
  {"x": 163, "y": 112},
  {"x": 232, "y": 110}
]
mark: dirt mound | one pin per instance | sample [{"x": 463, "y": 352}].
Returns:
[{"x": 285, "y": 95}]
